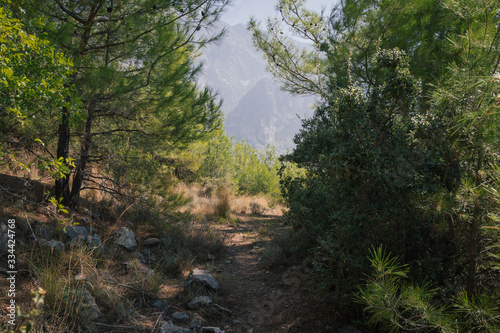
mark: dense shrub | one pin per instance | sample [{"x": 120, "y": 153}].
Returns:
[{"x": 368, "y": 156}]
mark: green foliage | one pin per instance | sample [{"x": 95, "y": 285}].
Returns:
[
  {"x": 218, "y": 159},
  {"x": 367, "y": 155},
  {"x": 34, "y": 80},
  {"x": 403, "y": 151},
  {"x": 25, "y": 322},
  {"x": 256, "y": 172},
  {"x": 467, "y": 99},
  {"x": 222, "y": 162},
  {"x": 32, "y": 75},
  {"x": 401, "y": 306},
  {"x": 352, "y": 33},
  {"x": 135, "y": 74},
  {"x": 302, "y": 71}
]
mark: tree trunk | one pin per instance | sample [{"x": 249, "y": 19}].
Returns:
[
  {"x": 62, "y": 184},
  {"x": 84, "y": 157}
]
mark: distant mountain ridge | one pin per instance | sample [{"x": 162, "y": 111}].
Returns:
[{"x": 256, "y": 110}]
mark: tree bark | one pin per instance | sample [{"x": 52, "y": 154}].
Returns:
[
  {"x": 84, "y": 157},
  {"x": 62, "y": 184}
]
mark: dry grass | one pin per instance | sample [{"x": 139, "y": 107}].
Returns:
[
  {"x": 56, "y": 275},
  {"x": 122, "y": 294},
  {"x": 208, "y": 204}
]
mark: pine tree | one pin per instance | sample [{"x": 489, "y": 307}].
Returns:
[{"x": 135, "y": 75}]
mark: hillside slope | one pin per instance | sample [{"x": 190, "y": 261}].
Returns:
[{"x": 256, "y": 110}]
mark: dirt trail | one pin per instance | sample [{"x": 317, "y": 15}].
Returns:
[{"x": 268, "y": 299}]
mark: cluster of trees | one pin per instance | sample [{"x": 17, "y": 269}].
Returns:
[
  {"x": 222, "y": 162},
  {"x": 402, "y": 152},
  {"x": 109, "y": 84}
]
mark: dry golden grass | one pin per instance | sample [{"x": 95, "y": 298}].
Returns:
[{"x": 207, "y": 203}]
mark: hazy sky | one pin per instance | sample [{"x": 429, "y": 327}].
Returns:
[{"x": 241, "y": 10}]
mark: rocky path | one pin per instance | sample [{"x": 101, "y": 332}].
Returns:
[{"x": 264, "y": 298}]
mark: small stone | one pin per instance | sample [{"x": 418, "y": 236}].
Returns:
[
  {"x": 150, "y": 242},
  {"x": 160, "y": 304},
  {"x": 171, "y": 328},
  {"x": 139, "y": 267},
  {"x": 94, "y": 242},
  {"x": 149, "y": 257},
  {"x": 43, "y": 232},
  {"x": 86, "y": 220},
  {"x": 53, "y": 245},
  {"x": 180, "y": 317},
  {"x": 223, "y": 309},
  {"x": 78, "y": 241},
  {"x": 88, "y": 307},
  {"x": 201, "y": 278},
  {"x": 199, "y": 302},
  {"x": 197, "y": 322},
  {"x": 211, "y": 330},
  {"x": 75, "y": 231},
  {"x": 4, "y": 239},
  {"x": 126, "y": 238}
]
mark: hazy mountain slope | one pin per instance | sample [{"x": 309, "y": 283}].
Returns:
[
  {"x": 256, "y": 110},
  {"x": 268, "y": 115}
]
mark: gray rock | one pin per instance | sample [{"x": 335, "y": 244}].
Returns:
[
  {"x": 94, "y": 242},
  {"x": 88, "y": 309},
  {"x": 140, "y": 268},
  {"x": 150, "y": 242},
  {"x": 180, "y": 317},
  {"x": 197, "y": 322},
  {"x": 223, "y": 309},
  {"x": 75, "y": 231},
  {"x": 86, "y": 220},
  {"x": 53, "y": 245},
  {"x": 78, "y": 241},
  {"x": 171, "y": 328},
  {"x": 211, "y": 330},
  {"x": 42, "y": 231},
  {"x": 126, "y": 238},
  {"x": 149, "y": 257},
  {"x": 199, "y": 302},
  {"x": 4, "y": 239},
  {"x": 160, "y": 304},
  {"x": 349, "y": 329},
  {"x": 201, "y": 278}
]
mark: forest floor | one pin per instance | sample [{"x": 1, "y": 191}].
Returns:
[{"x": 264, "y": 297}]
